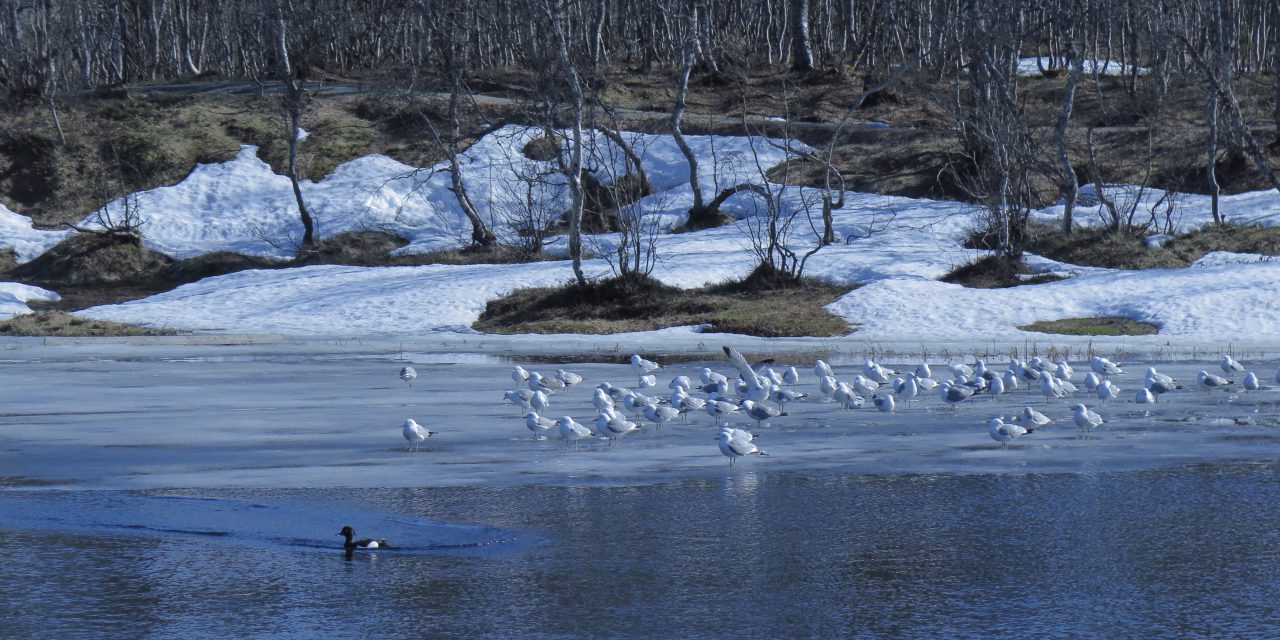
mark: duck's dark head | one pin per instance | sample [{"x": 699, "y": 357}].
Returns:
[{"x": 347, "y": 532}]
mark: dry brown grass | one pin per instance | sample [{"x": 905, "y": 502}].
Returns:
[
  {"x": 58, "y": 323},
  {"x": 643, "y": 304}
]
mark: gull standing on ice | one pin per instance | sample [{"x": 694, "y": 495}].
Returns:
[
  {"x": 1144, "y": 396},
  {"x": 614, "y": 426},
  {"x": 821, "y": 369},
  {"x": 953, "y": 393},
  {"x": 518, "y": 397},
  {"x": 735, "y": 443},
  {"x": 1107, "y": 391},
  {"x": 408, "y": 374},
  {"x": 1251, "y": 382},
  {"x": 718, "y": 409},
  {"x": 883, "y": 402},
  {"x": 1209, "y": 382},
  {"x": 538, "y": 424},
  {"x": 660, "y": 414},
  {"x": 569, "y": 378},
  {"x": 847, "y": 397},
  {"x": 1085, "y": 419},
  {"x": 1230, "y": 366},
  {"x": 1005, "y": 433},
  {"x": 1034, "y": 417},
  {"x": 643, "y": 367},
  {"x": 571, "y": 429},
  {"x": 760, "y": 412},
  {"x": 415, "y": 433}
]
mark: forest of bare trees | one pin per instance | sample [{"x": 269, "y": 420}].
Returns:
[
  {"x": 970, "y": 49},
  {"x": 69, "y": 44}
]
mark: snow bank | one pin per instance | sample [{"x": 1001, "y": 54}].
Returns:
[
  {"x": 26, "y": 241},
  {"x": 14, "y": 298},
  {"x": 242, "y": 206}
]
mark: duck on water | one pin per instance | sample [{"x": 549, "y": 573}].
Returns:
[{"x": 366, "y": 543}]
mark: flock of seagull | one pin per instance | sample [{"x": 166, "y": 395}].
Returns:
[{"x": 760, "y": 392}]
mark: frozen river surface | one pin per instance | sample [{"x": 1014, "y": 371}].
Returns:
[{"x": 197, "y": 493}]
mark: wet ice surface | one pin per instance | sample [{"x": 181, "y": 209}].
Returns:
[
  {"x": 280, "y": 419},
  {"x": 196, "y": 492}
]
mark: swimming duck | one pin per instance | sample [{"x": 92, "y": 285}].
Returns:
[{"x": 366, "y": 543}]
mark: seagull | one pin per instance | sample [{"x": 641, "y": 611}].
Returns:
[
  {"x": 1158, "y": 388},
  {"x": 1107, "y": 391},
  {"x": 648, "y": 382},
  {"x": 873, "y": 370},
  {"x": 687, "y": 403},
  {"x": 1251, "y": 382},
  {"x": 735, "y": 443},
  {"x": 519, "y": 375},
  {"x": 614, "y": 426},
  {"x": 660, "y": 414},
  {"x": 1005, "y": 433},
  {"x": 711, "y": 377},
  {"x": 538, "y": 424},
  {"x": 883, "y": 402},
  {"x": 1085, "y": 419},
  {"x": 518, "y": 397},
  {"x": 756, "y": 388},
  {"x": 571, "y": 429},
  {"x": 1209, "y": 382},
  {"x": 827, "y": 385},
  {"x": 1230, "y": 366},
  {"x": 760, "y": 412},
  {"x": 568, "y": 377},
  {"x": 539, "y": 400},
  {"x": 954, "y": 394},
  {"x": 821, "y": 369},
  {"x": 864, "y": 385},
  {"x": 600, "y": 400},
  {"x": 1064, "y": 370},
  {"x": 996, "y": 387},
  {"x": 718, "y": 409},
  {"x": 923, "y": 370},
  {"x": 1155, "y": 376},
  {"x": 1144, "y": 396},
  {"x": 958, "y": 369},
  {"x": 408, "y": 374},
  {"x": 1010, "y": 380},
  {"x": 1091, "y": 381},
  {"x": 415, "y": 433},
  {"x": 1050, "y": 388},
  {"x": 847, "y": 397},
  {"x": 909, "y": 388},
  {"x": 1104, "y": 367},
  {"x": 783, "y": 396},
  {"x": 548, "y": 385},
  {"x": 1034, "y": 417},
  {"x": 680, "y": 382},
  {"x": 643, "y": 367}
]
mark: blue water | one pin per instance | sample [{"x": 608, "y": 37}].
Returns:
[{"x": 1188, "y": 552}]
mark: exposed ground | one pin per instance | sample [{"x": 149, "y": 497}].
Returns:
[
  {"x": 118, "y": 142},
  {"x": 762, "y": 304}
]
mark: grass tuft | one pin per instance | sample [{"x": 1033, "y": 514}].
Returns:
[
  {"x": 61, "y": 324},
  {"x": 996, "y": 272},
  {"x": 642, "y": 303},
  {"x": 1095, "y": 326}
]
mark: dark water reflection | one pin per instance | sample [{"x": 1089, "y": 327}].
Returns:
[{"x": 1180, "y": 553}]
